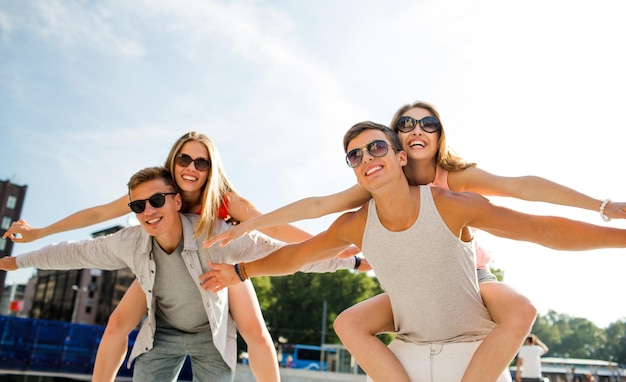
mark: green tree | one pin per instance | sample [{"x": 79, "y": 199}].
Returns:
[
  {"x": 615, "y": 347},
  {"x": 293, "y": 305},
  {"x": 569, "y": 337},
  {"x": 499, "y": 273}
]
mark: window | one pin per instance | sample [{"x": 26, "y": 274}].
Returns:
[
  {"x": 6, "y": 223},
  {"x": 3, "y": 244},
  {"x": 11, "y": 202}
]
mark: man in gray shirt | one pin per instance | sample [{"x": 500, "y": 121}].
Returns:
[{"x": 183, "y": 318}]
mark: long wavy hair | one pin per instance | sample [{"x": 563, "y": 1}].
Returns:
[
  {"x": 446, "y": 157},
  {"x": 215, "y": 191}
]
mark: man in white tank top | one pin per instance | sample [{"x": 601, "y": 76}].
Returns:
[{"x": 417, "y": 240}]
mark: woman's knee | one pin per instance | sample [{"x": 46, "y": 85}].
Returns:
[
  {"x": 345, "y": 323},
  {"x": 118, "y": 325}
]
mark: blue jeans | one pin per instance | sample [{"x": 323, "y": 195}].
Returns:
[{"x": 165, "y": 360}]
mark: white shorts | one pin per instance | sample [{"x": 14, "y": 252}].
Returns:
[{"x": 437, "y": 362}]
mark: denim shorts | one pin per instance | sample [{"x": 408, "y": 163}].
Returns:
[
  {"x": 485, "y": 275},
  {"x": 165, "y": 360}
]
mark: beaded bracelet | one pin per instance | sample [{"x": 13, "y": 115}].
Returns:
[
  {"x": 243, "y": 271},
  {"x": 240, "y": 272},
  {"x": 602, "y": 207}
]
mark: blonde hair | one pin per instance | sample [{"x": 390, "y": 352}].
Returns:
[
  {"x": 215, "y": 191},
  {"x": 446, "y": 158}
]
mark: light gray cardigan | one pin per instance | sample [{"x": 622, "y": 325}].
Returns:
[{"x": 131, "y": 247}]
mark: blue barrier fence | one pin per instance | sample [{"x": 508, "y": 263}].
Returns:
[{"x": 53, "y": 346}]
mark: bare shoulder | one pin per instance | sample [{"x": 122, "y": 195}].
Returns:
[
  {"x": 458, "y": 208},
  {"x": 470, "y": 179},
  {"x": 234, "y": 199},
  {"x": 240, "y": 208}
]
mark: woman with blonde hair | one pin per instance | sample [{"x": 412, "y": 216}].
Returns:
[{"x": 205, "y": 189}]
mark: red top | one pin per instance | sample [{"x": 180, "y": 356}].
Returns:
[{"x": 222, "y": 212}]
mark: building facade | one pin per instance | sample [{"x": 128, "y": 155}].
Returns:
[
  {"x": 11, "y": 202},
  {"x": 86, "y": 296}
]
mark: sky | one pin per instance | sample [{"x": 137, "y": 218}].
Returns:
[{"x": 92, "y": 91}]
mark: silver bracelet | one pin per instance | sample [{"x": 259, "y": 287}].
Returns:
[{"x": 602, "y": 206}]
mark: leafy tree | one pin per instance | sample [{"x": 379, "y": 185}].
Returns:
[
  {"x": 615, "y": 347},
  {"x": 499, "y": 273},
  {"x": 574, "y": 337},
  {"x": 293, "y": 305}
]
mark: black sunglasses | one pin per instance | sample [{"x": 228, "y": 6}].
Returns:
[
  {"x": 156, "y": 201},
  {"x": 429, "y": 124},
  {"x": 377, "y": 148},
  {"x": 185, "y": 160}
]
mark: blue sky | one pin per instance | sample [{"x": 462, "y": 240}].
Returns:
[{"x": 91, "y": 91}]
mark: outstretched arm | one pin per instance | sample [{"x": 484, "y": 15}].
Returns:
[
  {"x": 21, "y": 232},
  {"x": 8, "y": 263},
  {"x": 290, "y": 258},
  {"x": 530, "y": 188},
  {"x": 469, "y": 209},
  {"x": 244, "y": 212},
  {"x": 273, "y": 223},
  {"x": 541, "y": 345}
]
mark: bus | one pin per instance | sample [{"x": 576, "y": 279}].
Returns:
[{"x": 308, "y": 357}]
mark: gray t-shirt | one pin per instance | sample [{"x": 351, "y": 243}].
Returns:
[
  {"x": 178, "y": 300},
  {"x": 430, "y": 276}
]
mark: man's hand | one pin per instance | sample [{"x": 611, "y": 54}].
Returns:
[
  {"x": 26, "y": 232},
  {"x": 8, "y": 263},
  {"x": 219, "y": 277}
]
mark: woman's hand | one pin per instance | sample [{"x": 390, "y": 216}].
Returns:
[
  {"x": 613, "y": 210},
  {"x": 226, "y": 237},
  {"x": 21, "y": 232}
]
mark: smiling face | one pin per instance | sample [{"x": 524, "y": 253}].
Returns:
[
  {"x": 418, "y": 144},
  {"x": 190, "y": 179},
  {"x": 161, "y": 222},
  {"x": 374, "y": 172}
]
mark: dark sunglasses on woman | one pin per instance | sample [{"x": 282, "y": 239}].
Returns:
[
  {"x": 184, "y": 160},
  {"x": 429, "y": 124}
]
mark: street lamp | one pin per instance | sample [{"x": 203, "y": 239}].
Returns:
[{"x": 77, "y": 289}]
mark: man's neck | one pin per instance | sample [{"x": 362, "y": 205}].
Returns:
[
  {"x": 397, "y": 204},
  {"x": 169, "y": 240}
]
